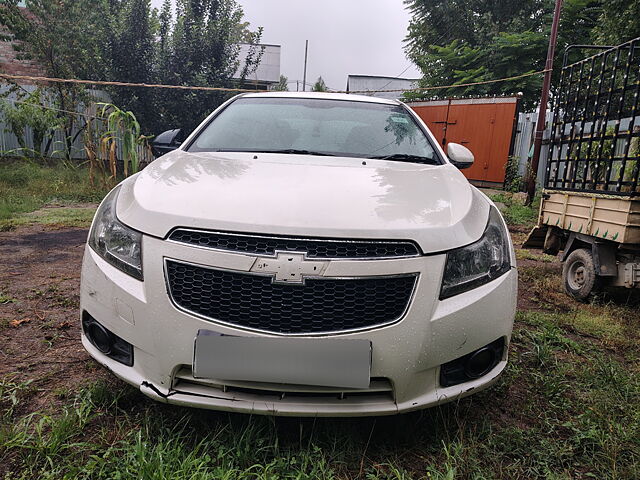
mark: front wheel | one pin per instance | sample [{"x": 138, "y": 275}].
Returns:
[{"x": 579, "y": 275}]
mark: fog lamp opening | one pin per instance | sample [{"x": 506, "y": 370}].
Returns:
[
  {"x": 473, "y": 365},
  {"x": 480, "y": 362},
  {"x": 106, "y": 341},
  {"x": 100, "y": 337}
]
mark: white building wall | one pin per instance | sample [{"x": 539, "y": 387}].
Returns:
[
  {"x": 367, "y": 85},
  {"x": 269, "y": 69}
]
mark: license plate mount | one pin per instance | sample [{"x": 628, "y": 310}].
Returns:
[{"x": 327, "y": 362}]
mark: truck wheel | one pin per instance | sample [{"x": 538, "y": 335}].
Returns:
[{"x": 579, "y": 275}]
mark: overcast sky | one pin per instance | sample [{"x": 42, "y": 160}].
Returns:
[{"x": 361, "y": 37}]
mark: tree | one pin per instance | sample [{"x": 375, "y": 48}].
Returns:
[
  {"x": 490, "y": 40},
  {"x": 439, "y": 22},
  {"x": 200, "y": 48},
  {"x": 66, "y": 39},
  {"x": 128, "y": 41},
  {"x": 508, "y": 55},
  {"x": 282, "y": 85},
  {"x": 130, "y": 51},
  {"x": 319, "y": 86},
  {"x": 619, "y": 22}
]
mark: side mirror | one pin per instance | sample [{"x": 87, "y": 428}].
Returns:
[
  {"x": 459, "y": 155},
  {"x": 165, "y": 142}
]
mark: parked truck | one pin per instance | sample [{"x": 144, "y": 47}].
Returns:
[{"x": 590, "y": 206}]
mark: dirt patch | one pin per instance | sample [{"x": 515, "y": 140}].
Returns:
[
  {"x": 539, "y": 282},
  {"x": 39, "y": 322},
  {"x": 540, "y": 287}
]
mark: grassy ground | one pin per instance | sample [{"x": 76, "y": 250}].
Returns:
[
  {"x": 515, "y": 213},
  {"x": 567, "y": 407},
  {"x": 27, "y": 187}
]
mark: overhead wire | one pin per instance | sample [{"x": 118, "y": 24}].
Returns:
[
  {"x": 47, "y": 107},
  {"x": 75, "y": 81},
  {"x": 397, "y": 77}
]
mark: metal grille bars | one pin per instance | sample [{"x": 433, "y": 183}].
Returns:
[{"x": 595, "y": 135}]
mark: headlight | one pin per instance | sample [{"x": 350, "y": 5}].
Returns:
[
  {"x": 116, "y": 243},
  {"x": 479, "y": 263}
]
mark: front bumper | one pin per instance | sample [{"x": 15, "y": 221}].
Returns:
[{"x": 406, "y": 356}]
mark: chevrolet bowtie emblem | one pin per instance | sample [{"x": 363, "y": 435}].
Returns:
[{"x": 289, "y": 267}]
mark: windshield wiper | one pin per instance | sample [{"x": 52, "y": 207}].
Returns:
[
  {"x": 294, "y": 151},
  {"x": 405, "y": 157}
]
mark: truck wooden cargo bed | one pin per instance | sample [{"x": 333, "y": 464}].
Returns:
[{"x": 609, "y": 217}]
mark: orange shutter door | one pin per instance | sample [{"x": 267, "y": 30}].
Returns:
[
  {"x": 483, "y": 125},
  {"x": 471, "y": 125},
  {"x": 501, "y": 144},
  {"x": 435, "y": 116}
]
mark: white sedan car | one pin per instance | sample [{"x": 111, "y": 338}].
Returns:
[{"x": 301, "y": 254}]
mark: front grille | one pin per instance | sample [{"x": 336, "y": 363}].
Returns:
[
  {"x": 321, "y": 305},
  {"x": 314, "y": 248}
]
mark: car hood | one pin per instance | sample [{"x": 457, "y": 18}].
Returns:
[{"x": 301, "y": 195}]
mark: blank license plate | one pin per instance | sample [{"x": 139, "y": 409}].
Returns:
[{"x": 300, "y": 361}]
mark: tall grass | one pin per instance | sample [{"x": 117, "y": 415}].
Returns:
[{"x": 26, "y": 186}]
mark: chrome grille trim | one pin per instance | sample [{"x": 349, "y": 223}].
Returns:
[{"x": 408, "y": 248}]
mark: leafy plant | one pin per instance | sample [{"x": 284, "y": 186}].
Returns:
[
  {"x": 10, "y": 391},
  {"x": 28, "y": 111},
  {"x": 114, "y": 130},
  {"x": 619, "y": 22},
  {"x": 122, "y": 125},
  {"x": 282, "y": 86},
  {"x": 320, "y": 86},
  {"x": 512, "y": 179}
]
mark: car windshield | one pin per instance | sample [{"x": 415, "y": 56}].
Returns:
[{"x": 317, "y": 127}]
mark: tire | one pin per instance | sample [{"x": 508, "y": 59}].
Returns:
[{"x": 579, "y": 275}]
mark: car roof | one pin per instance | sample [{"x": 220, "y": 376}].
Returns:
[{"x": 323, "y": 95}]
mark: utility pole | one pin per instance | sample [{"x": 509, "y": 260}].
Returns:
[
  {"x": 304, "y": 77},
  {"x": 544, "y": 98}
]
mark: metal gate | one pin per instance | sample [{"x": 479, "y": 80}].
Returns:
[
  {"x": 484, "y": 125},
  {"x": 595, "y": 135}
]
